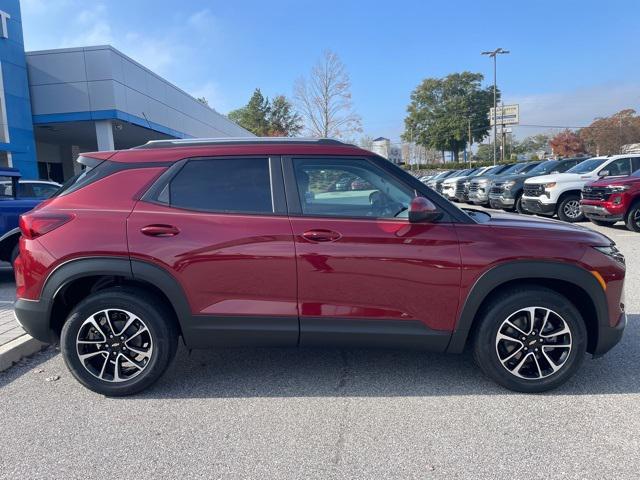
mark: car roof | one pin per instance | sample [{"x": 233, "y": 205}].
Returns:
[{"x": 173, "y": 150}]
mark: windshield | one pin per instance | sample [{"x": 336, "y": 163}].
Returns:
[
  {"x": 544, "y": 167},
  {"x": 587, "y": 165}
]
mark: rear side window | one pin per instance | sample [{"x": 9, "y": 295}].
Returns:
[{"x": 238, "y": 185}]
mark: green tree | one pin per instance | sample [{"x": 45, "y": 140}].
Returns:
[
  {"x": 485, "y": 152},
  {"x": 283, "y": 120},
  {"x": 532, "y": 145},
  {"x": 255, "y": 115},
  {"x": 442, "y": 109}
]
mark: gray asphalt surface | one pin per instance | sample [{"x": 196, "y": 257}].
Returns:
[{"x": 276, "y": 413}]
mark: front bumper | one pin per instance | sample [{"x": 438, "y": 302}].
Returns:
[
  {"x": 608, "y": 337},
  {"x": 501, "y": 202},
  {"x": 536, "y": 206},
  {"x": 478, "y": 197},
  {"x": 600, "y": 213},
  {"x": 33, "y": 316}
]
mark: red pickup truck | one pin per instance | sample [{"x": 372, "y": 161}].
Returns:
[{"x": 608, "y": 201}]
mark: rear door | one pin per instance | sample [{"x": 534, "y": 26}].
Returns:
[
  {"x": 365, "y": 274},
  {"x": 219, "y": 227}
]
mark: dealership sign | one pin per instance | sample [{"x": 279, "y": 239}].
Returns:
[
  {"x": 4, "y": 31},
  {"x": 506, "y": 115}
]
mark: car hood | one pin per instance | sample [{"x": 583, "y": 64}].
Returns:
[
  {"x": 453, "y": 179},
  {"x": 508, "y": 178},
  {"x": 560, "y": 178},
  {"x": 605, "y": 182},
  {"x": 543, "y": 227}
]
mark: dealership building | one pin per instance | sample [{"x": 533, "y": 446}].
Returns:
[{"x": 55, "y": 104}]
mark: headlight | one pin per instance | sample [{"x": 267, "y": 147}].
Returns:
[
  {"x": 618, "y": 188},
  {"x": 550, "y": 185},
  {"x": 508, "y": 185},
  {"x": 613, "y": 252}
]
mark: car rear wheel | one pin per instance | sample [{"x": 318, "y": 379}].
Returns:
[
  {"x": 530, "y": 340},
  {"x": 569, "y": 209},
  {"x": 119, "y": 341},
  {"x": 633, "y": 218}
]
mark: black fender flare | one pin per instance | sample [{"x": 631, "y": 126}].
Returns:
[
  {"x": 525, "y": 270},
  {"x": 129, "y": 269}
]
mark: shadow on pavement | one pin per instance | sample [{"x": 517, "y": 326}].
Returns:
[{"x": 292, "y": 372}]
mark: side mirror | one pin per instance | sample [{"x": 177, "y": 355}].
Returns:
[
  {"x": 603, "y": 173},
  {"x": 423, "y": 210}
]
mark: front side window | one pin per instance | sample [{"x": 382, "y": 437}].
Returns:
[
  {"x": 587, "y": 166},
  {"x": 238, "y": 185},
  {"x": 43, "y": 190},
  {"x": 354, "y": 188},
  {"x": 635, "y": 165},
  {"x": 618, "y": 168}
]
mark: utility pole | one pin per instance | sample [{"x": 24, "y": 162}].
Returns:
[
  {"x": 494, "y": 54},
  {"x": 470, "y": 141}
]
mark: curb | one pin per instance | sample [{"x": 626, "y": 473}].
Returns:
[{"x": 15, "y": 350}]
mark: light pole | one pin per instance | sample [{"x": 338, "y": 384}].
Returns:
[{"x": 494, "y": 54}]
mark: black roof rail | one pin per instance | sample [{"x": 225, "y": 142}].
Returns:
[{"x": 199, "y": 142}]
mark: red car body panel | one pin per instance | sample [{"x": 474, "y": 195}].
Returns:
[
  {"x": 378, "y": 269},
  {"x": 227, "y": 264}
]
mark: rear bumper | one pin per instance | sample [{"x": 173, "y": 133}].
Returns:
[
  {"x": 600, "y": 213},
  {"x": 33, "y": 316},
  {"x": 536, "y": 206}
]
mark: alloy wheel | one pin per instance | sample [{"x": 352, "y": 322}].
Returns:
[
  {"x": 114, "y": 345},
  {"x": 572, "y": 209},
  {"x": 533, "y": 343},
  {"x": 636, "y": 217}
]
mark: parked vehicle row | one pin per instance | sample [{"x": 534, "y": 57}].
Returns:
[{"x": 601, "y": 189}]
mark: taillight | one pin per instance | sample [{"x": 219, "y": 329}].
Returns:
[{"x": 36, "y": 224}]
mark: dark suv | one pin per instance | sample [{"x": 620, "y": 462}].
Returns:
[
  {"x": 248, "y": 242},
  {"x": 506, "y": 191}
]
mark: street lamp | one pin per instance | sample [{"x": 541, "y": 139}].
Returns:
[{"x": 494, "y": 54}]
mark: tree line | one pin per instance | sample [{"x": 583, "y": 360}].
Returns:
[{"x": 443, "y": 115}]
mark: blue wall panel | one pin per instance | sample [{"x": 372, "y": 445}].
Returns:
[{"x": 21, "y": 143}]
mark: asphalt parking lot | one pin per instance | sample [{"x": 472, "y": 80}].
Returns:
[{"x": 276, "y": 413}]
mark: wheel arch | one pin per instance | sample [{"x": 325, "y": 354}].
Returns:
[
  {"x": 575, "y": 283},
  {"x": 75, "y": 280},
  {"x": 7, "y": 242}
]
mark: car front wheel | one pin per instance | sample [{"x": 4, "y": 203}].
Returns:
[
  {"x": 569, "y": 209},
  {"x": 633, "y": 218},
  {"x": 530, "y": 340},
  {"x": 119, "y": 341}
]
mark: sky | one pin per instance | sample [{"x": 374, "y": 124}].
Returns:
[{"x": 570, "y": 61}]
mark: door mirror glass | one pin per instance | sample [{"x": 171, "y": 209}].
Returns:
[
  {"x": 423, "y": 210},
  {"x": 603, "y": 173}
]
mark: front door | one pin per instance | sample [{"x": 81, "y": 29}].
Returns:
[
  {"x": 219, "y": 226},
  {"x": 365, "y": 274}
]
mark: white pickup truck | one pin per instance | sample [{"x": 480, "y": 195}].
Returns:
[{"x": 559, "y": 193}]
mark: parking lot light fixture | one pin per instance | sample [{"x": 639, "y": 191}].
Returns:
[{"x": 493, "y": 54}]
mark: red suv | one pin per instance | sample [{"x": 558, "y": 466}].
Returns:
[
  {"x": 247, "y": 242},
  {"x": 608, "y": 201}
]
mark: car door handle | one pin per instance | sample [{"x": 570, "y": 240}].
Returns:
[
  {"x": 160, "y": 230},
  {"x": 321, "y": 235}
]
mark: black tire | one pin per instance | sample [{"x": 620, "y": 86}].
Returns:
[
  {"x": 602, "y": 223},
  {"x": 633, "y": 218},
  {"x": 162, "y": 331},
  {"x": 486, "y": 347},
  {"x": 566, "y": 208},
  {"x": 518, "y": 206},
  {"x": 15, "y": 251}
]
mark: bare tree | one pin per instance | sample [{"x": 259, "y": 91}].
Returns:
[{"x": 324, "y": 100}]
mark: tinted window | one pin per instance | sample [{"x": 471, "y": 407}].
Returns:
[
  {"x": 587, "y": 166},
  {"x": 223, "y": 185},
  {"x": 545, "y": 167},
  {"x": 25, "y": 190},
  {"x": 372, "y": 192},
  {"x": 619, "y": 167},
  {"x": 566, "y": 165},
  {"x": 635, "y": 164},
  {"x": 43, "y": 190}
]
